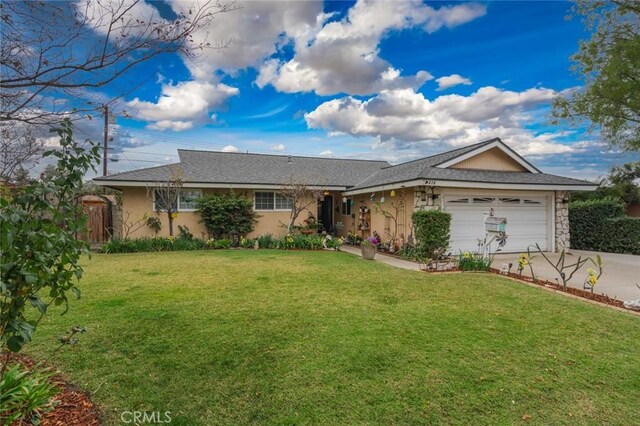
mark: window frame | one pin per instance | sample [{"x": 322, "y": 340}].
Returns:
[
  {"x": 274, "y": 194},
  {"x": 348, "y": 211},
  {"x": 178, "y": 209},
  {"x": 180, "y": 199}
]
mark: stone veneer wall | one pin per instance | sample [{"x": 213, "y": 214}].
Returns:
[
  {"x": 563, "y": 238},
  {"x": 428, "y": 203}
]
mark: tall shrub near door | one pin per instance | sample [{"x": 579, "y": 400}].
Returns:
[{"x": 432, "y": 230}]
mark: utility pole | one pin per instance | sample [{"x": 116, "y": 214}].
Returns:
[{"x": 106, "y": 140}]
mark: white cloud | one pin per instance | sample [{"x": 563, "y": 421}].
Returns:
[
  {"x": 326, "y": 153},
  {"x": 405, "y": 119},
  {"x": 452, "y": 80},
  {"x": 343, "y": 57},
  {"x": 253, "y": 32},
  {"x": 330, "y": 57},
  {"x": 230, "y": 148},
  {"x": 278, "y": 147},
  {"x": 183, "y": 105}
]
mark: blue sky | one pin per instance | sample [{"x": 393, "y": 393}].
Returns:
[{"x": 393, "y": 81}]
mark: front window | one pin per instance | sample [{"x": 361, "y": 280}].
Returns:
[
  {"x": 186, "y": 200},
  {"x": 346, "y": 206},
  {"x": 271, "y": 201},
  {"x": 188, "y": 197},
  {"x": 283, "y": 203},
  {"x": 264, "y": 201}
]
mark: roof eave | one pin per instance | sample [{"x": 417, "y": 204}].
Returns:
[
  {"x": 110, "y": 183},
  {"x": 442, "y": 183}
]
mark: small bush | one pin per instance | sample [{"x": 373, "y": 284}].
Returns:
[
  {"x": 226, "y": 215},
  {"x": 473, "y": 262},
  {"x": 222, "y": 243},
  {"x": 184, "y": 244},
  {"x": 432, "y": 230},
  {"x": 266, "y": 241},
  {"x": 130, "y": 245},
  {"x": 601, "y": 225},
  {"x": 247, "y": 243},
  {"x": 25, "y": 395},
  {"x": 154, "y": 224},
  {"x": 184, "y": 233}
]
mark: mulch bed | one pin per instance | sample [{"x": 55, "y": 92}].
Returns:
[{"x": 74, "y": 408}]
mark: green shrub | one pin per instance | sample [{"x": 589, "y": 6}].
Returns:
[
  {"x": 601, "y": 225},
  {"x": 302, "y": 242},
  {"x": 247, "y": 243},
  {"x": 266, "y": 241},
  {"x": 129, "y": 245},
  {"x": 473, "y": 262},
  {"x": 432, "y": 231},
  {"x": 184, "y": 233},
  {"x": 40, "y": 252},
  {"x": 222, "y": 244},
  {"x": 225, "y": 215},
  {"x": 25, "y": 395},
  {"x": 154, "y": 224}
]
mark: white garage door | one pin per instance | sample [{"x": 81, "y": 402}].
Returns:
[{"x": 526, "y": 220}]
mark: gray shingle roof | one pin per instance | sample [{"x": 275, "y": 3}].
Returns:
[
  {"x": 241, "y": 168},
  {"x": 426, "y": 168}
]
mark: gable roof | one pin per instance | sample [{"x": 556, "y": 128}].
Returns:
[
  {"x": 435, "y": 167},
  {"x": 232, "y": 168},
  {"x": 495, "y": 143}
]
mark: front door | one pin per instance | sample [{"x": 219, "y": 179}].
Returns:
[{"x": 325, "y": 212}]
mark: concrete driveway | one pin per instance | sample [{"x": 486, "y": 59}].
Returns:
[{"x": 621, "y": 271}]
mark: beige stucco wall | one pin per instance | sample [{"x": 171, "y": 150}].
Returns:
[
  {"x": 493, "y": 159},
  {"x": 275, "y": 221},
  {"x": 136, "y": 203},
  {"x": 384, "y": 226}
]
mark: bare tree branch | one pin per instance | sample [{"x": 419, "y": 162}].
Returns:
[
  {"x": 302, "y": 197},
  {"x": 49, "y": 48},
  {"x": 166, "y": 195}
]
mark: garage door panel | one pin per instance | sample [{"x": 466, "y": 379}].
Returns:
[{"x": 527, "y": 223}]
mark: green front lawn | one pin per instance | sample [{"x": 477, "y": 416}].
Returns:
[{"x": 238, "y": 337}]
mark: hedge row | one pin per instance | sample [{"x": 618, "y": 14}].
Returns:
[
  {"x": 601, "y": 225},
  {"x": 432, "y": 230}
]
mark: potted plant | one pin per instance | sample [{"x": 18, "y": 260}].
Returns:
[{"x": 369, "y": 247}]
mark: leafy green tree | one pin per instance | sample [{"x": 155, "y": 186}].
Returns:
[
  {"x": 609, "y": 65},
  {"x": 39, "y": 252},
  {"x": 227, "y": 215},
  {"x": 621, "y": 184}
]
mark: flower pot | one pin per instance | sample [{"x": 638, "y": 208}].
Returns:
[{"x": 368, "y": 252}]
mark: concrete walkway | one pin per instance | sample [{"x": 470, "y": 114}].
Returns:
[
  {"x": 621, "y": 271},
  {"x": 383, "y": 258}
]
